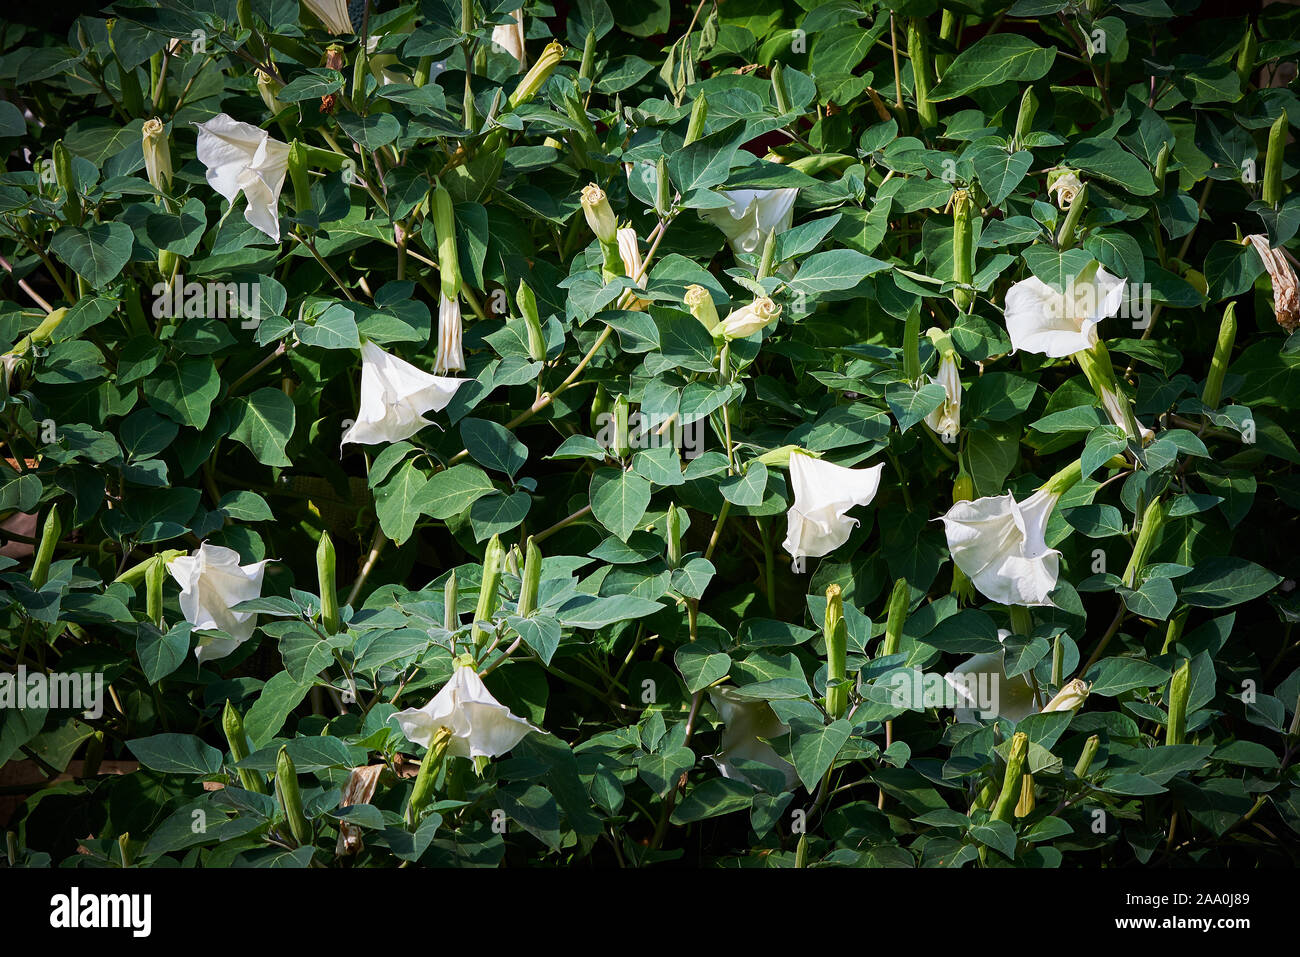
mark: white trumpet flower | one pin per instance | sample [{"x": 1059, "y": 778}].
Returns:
[
  {"x": 333, "y": 14},
  {"x": 983, "y": 689},
  {"x": 212, "y": 582},
  {"x": 394, "y": 397},
  {"x": 1057, "y": 324},
  {"x": 823, "y": 493},
  {"x": 753, "y": 214},
  {"x": 1001, "y": 546},
  {"x": 510, "y": 36},
  {"x": 480, "y": 725},
  {"x": 946, "y": 419},
  {"x": 451, "y": 355},
  {"x": 244, "y": 159},
  {"x": 746, "y": 721}
]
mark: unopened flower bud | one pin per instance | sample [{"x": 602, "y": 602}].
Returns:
[
  {"x": 286, "y": 789},
  {"x": 600, "y": 216},
  {"x": 538, "y": 74},
  {"x": 1069, "y": 698},
  {"x": 700, "y": 302},
  {"x": 531, "y": 579},
  {"x": 325, "y": 574},
  {"x": 1180, "y": 687},
  {"x": 157, "y": 154},
  {"x": 487, "y": 592},
  {"x": 748, "y": 319},
  {"x": 835, "y": 633}
]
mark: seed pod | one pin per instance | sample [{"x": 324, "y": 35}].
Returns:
[
  {"x": 674, "y": 523},
  {"x": 527, "y": 303},
  {"x": 487, "y": 592},
  {"x": 1180, "y": 687},
  {"x": 286, "y": 790},
  {"x": 1085, "y": 759},
  {"x": 836, "y": 635},
  {"x": 50, "y": 534},
  {"x": 154, "y": 577},
  {"x": 1012, "y": 779},
  {"x": 329, "y": 599},
  {"x": 532, "y": 579},
  {"x": 1272, "y": 191},
  {"x": 450, "y": 616},
  {"x": 699, "y": 115},
  {"x": 1213, "y": 390},
  {"x": 895, "y": 617},
  {"x": 918, "y": 49},
  {"x": 237, "y": 740}
]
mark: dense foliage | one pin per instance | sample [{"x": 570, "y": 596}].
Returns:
[{"x": 517, "y": 434}]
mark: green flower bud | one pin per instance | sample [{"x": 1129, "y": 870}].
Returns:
[
  {"x": 1162, "y": 167},
  {"x": 532, "y": 579},
  {"x": 912, "y": 345},
  {"x": 918, "y": 49},
  {"x": 1272, "y": 191},
  {"x": 329, "y": 599},
  {"x": 1085, "y": 759},
  {"x": 1065, "y": 236},
  {"x": 444, "y": 226},
  {"x": 450, "y": 616},
  {"x": 1213, "y": 390},
  {"x": 895, "y": 617},
  {"x": 297, "y": 164},
  {"x": 154, "y": 577},
  {"x": 487, "y": 592},
  {"x": 663, "y": 187},
  {"x": 1180, "y": 687},
  {"x": 963, "y": 249},
  {"x": 1012, "y": 780},
  {"x": 835, "y": 632},
  {"x": 237, "y": 740},
  {"x": 286, "y": 790},
  {"x": 1246, "y": 55},
  {"x": 600, "y": 216},
  {"x": 45, "y": 550},
  {"x": 699, "y": 115},
  {"x": 67, "y": 181},
  {"x": 537, "y": 76},
  {"x": 622, "y": 442},
  {"x": 601, "y": 404},
  {"x": 768, "y": 255},
  {"x": 157, "y": 154},
  {"x": 700, "y": 302},
  {"x": 780, "y": 96},
  {"x": 1152, "y": 521},
  {"x": 422, "y": 791},
  {"x": 674, "y": 523},
  {"x": 780, "y": 457},
  {"x": 948, "y": 28},
  {"x": 588, "y": 65},
  {"x": 532, "y": 322},
  {"x": 1025, "y": 118}
]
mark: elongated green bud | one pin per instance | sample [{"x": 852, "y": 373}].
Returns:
[
  {"x": 286, "y": 791},
  {"x": 1272, "y": 193},
  {"x": 1022, "y": 620},
  {"x": 1065, "y": 237},
  {"x": 360, "y": 70},
  {"x": 532, "y": 578},
  {"x": 329, "y": 599},
  {"x": 1096, "y": 366},
  {"x": 298, "y": 176},
  {"x": 963, "y": 249},
  {"x": 422, "y": 69},
  {"x": 50, "y": 534},
  {"x": 450, "y": 616},
  {"x": 918, "y": 49},
  {"x": 68, "y": 183},
  {"x": 134, "y": 575},
  {"x": 1162, "y": 167},
  {"x": 912, "y": 345},
  {"x": 1026, "y": 803},
  {"x": 487, "y": 592},
  {"x": 1180, "y": 687},
  {"x": 948, "y": 33},
  {"x": 801, "y": 851},
  {"x": 422, "y": 791},
  {"x": 622, "y": 441},
  {"x": 236, "y": 738},
  {"x": 1012, "y": 780},
  {"x": 153, "y": 583},
  {"x": 1025, "y": 118},
  {"x": 896, "y": 617},
  {"x": 780, "y": 95},
  {"x": 663, "y": 187},
  {"x": 984, "y": 797},
  {"x": 674, "y": 522},
  {"x": 699, "y": 116},
  {"x": 527, "y": 303},
  {"x": 1246, "y": 55},
  {"x": 538, "y": 74},
  {"x": 768, "y": 256},
  {"x": 1213, "y": 390},
  {"x": 588, "y": 65},
  {"x": 1152, "y": 521},
  {"x": 157, "y": 154},
  {"x": 1064, "y": 480},
  {"x": 835, "y": 632},
  {"x": 1085, "y": 759},
  {"x": 444, "y": 225}
]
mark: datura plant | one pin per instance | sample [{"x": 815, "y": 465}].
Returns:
[{"x": 733, "y": 433}]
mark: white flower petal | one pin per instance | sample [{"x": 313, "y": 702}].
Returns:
[
  {"x": 394, "y": 397},
  {"x": 1000, "y": 545},
  {"x": 823, "y": 493},
  {"x": 212, "y": 581},
  {"x": 480, "y": 725}
]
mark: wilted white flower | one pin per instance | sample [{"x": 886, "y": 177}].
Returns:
[
  {"x": 1001, "y": 546},
  {"x": 510, "y": 36},
  {"x": 1286, "y": 292},
  {"x": 480, "y": 725},
  {"x": 451, "y": 355},
  {"x": 753, "y": 214},
  {"x": 983, "y": 688},
  {"x": 745, "y": 722},
  {"x": 157, "y": 154},
  {"x": 823, "y": 493},
  {"x": 333, "y": 14},
  {"x": 244, "y": 159},
  {"x": 749, "y": 318},
  {"x": 1059, "y": 324},
  {"x": 394, "y": 397},
  {"x": 1064, "y": 186},
  {"x": 212, "y": 582},
  {"x": 946, "y": 419}
]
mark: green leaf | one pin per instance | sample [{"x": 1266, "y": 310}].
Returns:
[
  {"x": 97, "y": 254},
  {"x": 453, "y": 490},
  {"x": 160, "y": 654},
  {"x": 492, "y": 446},
  {"x": 991, "y": 60},
  {"x": 837, "y": 269},
  {"x": 619, "y": 500},
  {"x": 264, "y": 422},
  {"x": 814, "y": 751},
  {"x": 1226, "y": 581},
  {"x": 176, "y": 754}
]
